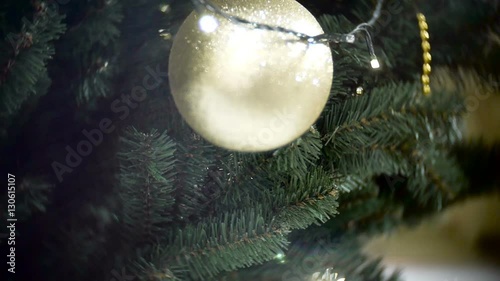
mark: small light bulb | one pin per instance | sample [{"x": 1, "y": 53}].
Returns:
[
  {"x": 165, "y": 8},
  {"x": 375, "y": 64},
  {"x": 208, "y": 23},
  {"x": 359, "y": 90},
  {"x": 350, "y": 38}
]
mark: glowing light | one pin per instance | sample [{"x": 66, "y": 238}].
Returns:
[
  {"x": 280, "y": 256},
  {"x": 165, "y": 34},
  {"x": 375, "y": 64},
  {"x": 165, "y": 8},
  {"x": 208, "y": 23},
  {"x": 350, "y": 38},
  {"x": 359, "y": 90}
]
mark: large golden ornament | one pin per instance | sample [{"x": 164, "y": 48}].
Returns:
[{"x": 247, "y": 89}]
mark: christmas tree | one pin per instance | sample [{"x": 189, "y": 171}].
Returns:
[{"x": 107, "y": 187}]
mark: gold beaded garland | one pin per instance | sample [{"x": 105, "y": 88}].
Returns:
[{"x": 426, "y": 47}]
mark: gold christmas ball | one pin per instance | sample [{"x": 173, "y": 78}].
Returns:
[{"x": 248, "y": 89}]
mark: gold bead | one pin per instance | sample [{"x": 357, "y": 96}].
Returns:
[
  {"x": 427, "y": 90},
  {"x": 423, "y": 25},
  {"x": 424, "y": 35},
  {"x": 426, "y": 46},
  {"x": 427, "y": 57},
  {"x": 427, "y": 68},
  {"x": 425, "y": 79}
]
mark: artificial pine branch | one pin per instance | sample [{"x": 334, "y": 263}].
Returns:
[
  {"x": 345, "y": 257},
  {"x": 437, "y": 179},
  {"x": 247, "y": 184},
  {"x": 194, "y": 188},
  {"x": 239, "y": 183},
  {"x": 151, "y": 265},
  {"x": 24, "y": 58},
  {"x": 315, "y": 253},
  {"x": 34, "y": 196},
  {"x": 244, "y": 179},
  {"x": 298, "y": 156},
  {"x": 310, "y": 211},
  {"x": 146, "y": 183},
  {"x": 373, "y": 160},
  {"x": 92, "y": 44},
  {"x": 366, "y": 208},
  {"x": 307, "y": 200},
  {"x": 388, "y": 117},
  {"x": 353, "y": 57},
  {"x": 224, "y": 243},
  {"x": 349, "y": 62}
]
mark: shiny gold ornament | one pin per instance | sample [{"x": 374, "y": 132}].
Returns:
[
  {"x": 426, "y": 48},
  {"x": 247, "y": 89}
]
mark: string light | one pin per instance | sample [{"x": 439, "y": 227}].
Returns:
[
  {"x": 209, "y": 24},
  {"x": 375, "y": 63},
  {"x": 359, "y": 90},
  {"x": 280, "y": 257},
  {"x": 165, "y": 8}
]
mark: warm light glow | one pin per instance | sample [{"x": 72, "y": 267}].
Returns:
[
  {"x": 208, "y": 23},
  {"x": 359, "y": 90},
  {"x": 350, "y": 38},
  {"x": 375, "y": 64},
  {"x": 165, "y": 8}
]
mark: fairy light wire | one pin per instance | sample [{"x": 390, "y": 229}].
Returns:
[
  {"x": 322, "y": 38},
  {"x": 364, "y": 27},
  {"x": 376, "y": 13},
  {"x": 208, "y": 5}
]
